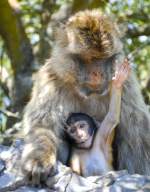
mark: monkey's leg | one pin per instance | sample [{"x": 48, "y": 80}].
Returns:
[{"x": 39, "y": 155}]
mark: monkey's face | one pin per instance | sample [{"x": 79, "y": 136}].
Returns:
[
  {"x": 93, "y": 77},
  {"x": 79, "y": 131},
  {"x": 88, "y": 45},
  {"x": 94, "y": 40}
]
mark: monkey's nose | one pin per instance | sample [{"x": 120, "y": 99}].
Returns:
[
  {"x": 95, "y": 73},
  {"x": 95, "y": 79},
  {"x": 79, "y": 134}
]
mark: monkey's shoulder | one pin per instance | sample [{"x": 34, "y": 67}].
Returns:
[{"x": 91, "y": 161}]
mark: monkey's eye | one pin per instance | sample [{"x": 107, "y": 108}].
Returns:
[
  {"x": 73, "y": 130},
  {"x": 82, "y": 126}
]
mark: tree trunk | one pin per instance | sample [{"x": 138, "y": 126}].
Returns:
[{"x": 19, "y": 51}]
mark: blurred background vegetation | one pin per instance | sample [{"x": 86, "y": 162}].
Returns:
[{"x": 27, "y": 37}]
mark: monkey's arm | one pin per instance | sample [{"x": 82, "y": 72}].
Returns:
[
  {"x": 75, "y": 163},
  {"x": 112, "y": 118}
]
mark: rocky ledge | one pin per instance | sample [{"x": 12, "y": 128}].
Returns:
[{"x": 65, "y": 180}]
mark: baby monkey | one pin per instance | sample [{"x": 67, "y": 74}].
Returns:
[{"x": 91, "y": 140}]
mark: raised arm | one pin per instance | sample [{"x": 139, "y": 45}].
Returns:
[{"x": 112, "y": 118}]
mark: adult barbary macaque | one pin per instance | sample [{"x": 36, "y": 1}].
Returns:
[
  {"x": 77, "y": 79},
  {"x": 91, "y": 152}
]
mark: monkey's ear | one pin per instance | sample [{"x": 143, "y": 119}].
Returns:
[
  {"x": 122, "y": 29},
  {"x": 120, "y": 26},
  {"x": 97, "y": 123},
  {"x": 58, "y": 35}
]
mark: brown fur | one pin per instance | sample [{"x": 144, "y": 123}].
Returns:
[{"x": 89, "y": 41}]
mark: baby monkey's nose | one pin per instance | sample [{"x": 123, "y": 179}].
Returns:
[{"x": 79, "y": 133}]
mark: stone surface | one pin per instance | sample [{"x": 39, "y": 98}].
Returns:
[{"x": 65, "y": 180}]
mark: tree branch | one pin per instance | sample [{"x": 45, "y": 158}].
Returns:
[
  {"x": 138, "y": 32},
  {"x": 87, "y": 4}
]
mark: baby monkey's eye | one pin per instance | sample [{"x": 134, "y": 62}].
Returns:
[
  {"x": 82, "y": 126},
  {"x": 73, "y": 130}
]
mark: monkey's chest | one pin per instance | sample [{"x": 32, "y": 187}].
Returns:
[
  {"x": 94, "y": 163},
  {"x": 93, "y": 106}
]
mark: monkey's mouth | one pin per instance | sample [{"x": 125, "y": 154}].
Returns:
[
  {"x": 86, "y": 91},
  {"x": 86, "y": 144},
  {"x": 83, "y": 140}
]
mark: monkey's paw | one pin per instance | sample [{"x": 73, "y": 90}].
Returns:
[{"x": 38, "y": 163}]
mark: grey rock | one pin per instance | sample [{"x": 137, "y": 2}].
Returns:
[
  {"x": 65, "y": 180},
  {"x": 2, "y": 166}
]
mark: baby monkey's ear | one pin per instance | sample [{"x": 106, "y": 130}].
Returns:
[{"x": 97, "y": 123}]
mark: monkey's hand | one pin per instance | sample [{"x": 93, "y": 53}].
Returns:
[
  {"x": 39, "y": 156},
  {"x": 121, "y": 74}
]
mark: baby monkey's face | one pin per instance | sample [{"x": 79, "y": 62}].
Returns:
[{"x": 79, "y": 131}]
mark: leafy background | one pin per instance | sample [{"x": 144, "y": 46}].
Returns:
[{"x": 27, "y": 37}]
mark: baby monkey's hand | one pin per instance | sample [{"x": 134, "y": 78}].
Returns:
[{"x": 121, "y": 74}]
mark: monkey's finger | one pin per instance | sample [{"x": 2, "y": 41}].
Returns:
[
  {"x": 126, "y": 60},
  {"x": 120, "y": 70},
  {"x": 28, "y": 178},
  {"x": 128, "y": 70},
  {"x": 36, "y": 174},
  {"x": 119, "y": 73},
  {"x": 125, "y": 63},
  {"x": 122, "y": 74},
  {"x": 44, "y": 174},
  {"x": 125, "y": 67}
]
